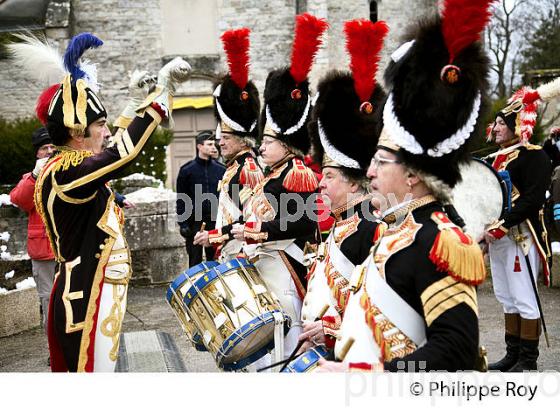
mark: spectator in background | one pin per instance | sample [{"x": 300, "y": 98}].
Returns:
[
  {"x": 198, "y": 177},
  {"x": 38, "y": 246}
]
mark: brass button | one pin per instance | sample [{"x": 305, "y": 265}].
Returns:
[
  {"x": 97, "y": 255},
  {"x": 102, "y": 246},
  {"x": 304, "y": 317}
]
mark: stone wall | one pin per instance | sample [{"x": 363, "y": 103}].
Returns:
[{"x": 157, "y": 249}]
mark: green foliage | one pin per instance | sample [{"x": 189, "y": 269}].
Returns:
[
  {"x": 151, "y": 160},
  {"x": 16, "y": 151},
  {"x": 542, "y": 48}
]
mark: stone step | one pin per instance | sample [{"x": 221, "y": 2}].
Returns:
[{"x": 148, "y": 352}]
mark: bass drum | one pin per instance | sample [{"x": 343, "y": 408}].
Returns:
[{"x": 480, "y": 198}]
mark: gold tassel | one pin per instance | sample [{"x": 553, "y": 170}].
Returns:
[
  {"x": 463, "y": 261},
  {"x": 300, "y": 178}
]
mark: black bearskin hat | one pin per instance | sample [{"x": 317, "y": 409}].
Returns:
[
  {"x": 236, "y": 99},
  {"x": 437, "y": 82},
  {"x": 347, "y": 117},
  {"x": 237, "y": 108},
  {"x": 286, "y": 109},
  {"x": 287, "y": 101}
]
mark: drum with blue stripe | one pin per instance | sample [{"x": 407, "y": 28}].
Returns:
[
  {"x": 176, "y": 293},
  {"x": 235, "y": 313},
  {"x": 307, "y": 362}
]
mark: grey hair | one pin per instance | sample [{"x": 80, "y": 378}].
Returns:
[{"x": 438, "y": 188}]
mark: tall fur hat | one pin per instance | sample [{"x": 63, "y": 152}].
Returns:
[
  {"x": 346, "y": 120},
  {"x": 286, "y": 96},
  {"x": 236, "y": 99},
  {"x": 437, "y": 81}
]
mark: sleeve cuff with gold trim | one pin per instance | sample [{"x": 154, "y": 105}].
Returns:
[
  {"x": 216, "y": 237},
  {"x": 331, "y": 327},
  {"x": 497, "y": 230},
  {"x": 253, "y": 234}
]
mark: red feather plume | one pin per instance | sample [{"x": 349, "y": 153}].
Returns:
[
  {"x": 43, "y": 102},
  {"x": 364, "y": 40},
  {"x": 463, "y": 22},
  {"x": 306, "y": 43},
  {"x": 236, "y": 46}
]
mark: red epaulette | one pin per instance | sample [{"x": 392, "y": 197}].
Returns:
[
  {"x": 251, "y": 174},
  {"x": 300, "y": 178},
  {"x": 456, "y": 253}
]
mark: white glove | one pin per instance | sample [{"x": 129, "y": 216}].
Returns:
[
  {"x": 138, "y": 88},
  {"x": 172, "y": 74},
  {"x": 39, "y": 165}
]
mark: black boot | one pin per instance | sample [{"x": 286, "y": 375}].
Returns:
[
  {"x": 528, "y": 345},
  {"x": 511, "y": 357},
  {"x": 528, "y": 354},
  {"x": 513, "y": 328}
]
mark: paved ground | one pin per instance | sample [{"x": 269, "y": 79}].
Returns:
[{"x": 148, "y": 310}]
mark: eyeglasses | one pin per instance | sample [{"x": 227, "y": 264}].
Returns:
[{"x": 376, "y": 162}]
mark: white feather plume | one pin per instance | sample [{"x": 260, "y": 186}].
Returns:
[
  {"x": 549, "y": 90},
  {"x": 91, "y": 75},
  {"x": 37, "y": 59}
]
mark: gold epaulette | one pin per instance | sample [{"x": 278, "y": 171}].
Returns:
[
  {"x": 300, "y": 178},
  {"x": 457, "y": 253},
  {"x": 69, "y": 157},
  {"x": 250, "y": 174},
  {"x": 532, "y": 147}
]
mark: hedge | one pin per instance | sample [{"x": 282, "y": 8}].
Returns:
[{"x": 17, "y": 156}]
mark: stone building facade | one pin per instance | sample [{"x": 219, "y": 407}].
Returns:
[{"x": 147, "y": 33}]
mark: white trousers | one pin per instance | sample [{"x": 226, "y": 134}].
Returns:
[
  {"x": 513, "y": 289},
  {"x": 112, "y": 308}
]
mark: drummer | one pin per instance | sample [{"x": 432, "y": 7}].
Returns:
[
  {"x": 281, "y": 213},
  {"x": 518, "y": 244},
  {"x": 236, "y": 108},
  {"x": 340, "y": 144},
  {"x": 413, "y": 305}
]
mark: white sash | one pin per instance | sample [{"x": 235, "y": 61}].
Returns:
[
  {"x": 393, "y": 306},
  {"x": 226, "y": 210},
  {"x": 339, "y": 261}
]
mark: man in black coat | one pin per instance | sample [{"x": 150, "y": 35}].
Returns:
[{"x": 198, "y": 183}]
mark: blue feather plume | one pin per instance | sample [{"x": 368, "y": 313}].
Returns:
[{"x": 75, "y": 50}]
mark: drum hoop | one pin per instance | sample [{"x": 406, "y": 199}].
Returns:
[
  {"x": 234, "y": 339},
  {"x": 182, "y": 278},
  {"x": 500, "y": 181},
  {"x": 316, "y": 353},
  {"x": 268, "y": 318}
]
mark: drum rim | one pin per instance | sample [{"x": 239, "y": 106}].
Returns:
[
  {"x": 202, "y": 282},
  {"x": 243, "y": 331},
  {"x": 233, "y": 264},
  {"x": 317, "y": 352},
  {"x": 183, "y": 276}
]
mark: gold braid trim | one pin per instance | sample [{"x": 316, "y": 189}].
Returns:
[
  {"x": 393, "y": 345},
  {"x": 338, "y": 285},
  {"x": 67, "y": 103},
  {"x": 81, "y": 103},
  {"x": 70, "y": 157},
  {"x": 401, "y": 212}
]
